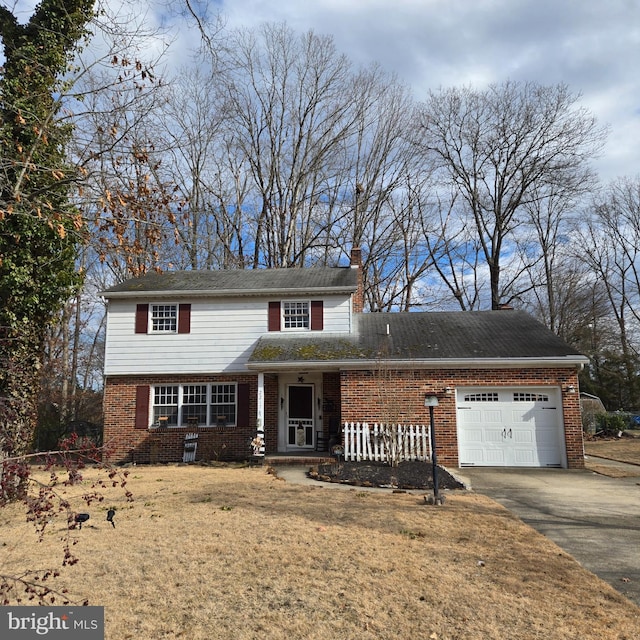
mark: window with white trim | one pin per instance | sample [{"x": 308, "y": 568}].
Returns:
[
  {"x": 210, "y": 405},
  {"x": 481, "y": 397},
  {"x": 194, "y": 404},
  {"x": 295, "y": 315},
  {"x": 164, "y": 318},
  {"x": 165, "y": 405},
  {"x": 530, "y": 397},
  {"x": 223, "y": 404}
]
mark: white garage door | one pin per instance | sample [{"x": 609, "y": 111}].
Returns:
[{"x": 510, "y": 427}]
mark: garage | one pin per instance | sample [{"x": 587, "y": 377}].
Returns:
[{"x": 510, "y": 427}]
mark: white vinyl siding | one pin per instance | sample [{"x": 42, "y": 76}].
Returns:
[{"x": 222, "y": 336}]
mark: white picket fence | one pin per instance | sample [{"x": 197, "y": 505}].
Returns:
[{"x": 367, "y": 442}]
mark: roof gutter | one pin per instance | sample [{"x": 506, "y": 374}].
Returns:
[
  {"x": 564, "y": 362},
  {"x": 222, "y": 293}
]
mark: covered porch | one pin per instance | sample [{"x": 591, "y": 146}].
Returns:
[{"x": 299, "y": 412}]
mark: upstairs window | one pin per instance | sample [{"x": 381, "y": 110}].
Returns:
[
  {"x": 164, "y": 318},
  {"x": 295, "y": 315},
  {"x": 298, "y": 315}
]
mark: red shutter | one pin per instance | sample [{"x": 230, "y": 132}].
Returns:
[
  {"x": 274, "y": 316},
  {"x": 243, "y": 419},
  {"x": 317, "y": 315},
  {"x": 142, "y": 406},
  {"x": 184, "y": 318},
  {"x": 142, "y": 318}
]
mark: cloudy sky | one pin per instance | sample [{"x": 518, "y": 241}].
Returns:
[{"x": 591, "y": 45}]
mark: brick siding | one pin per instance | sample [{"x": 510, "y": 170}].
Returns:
[
  {"x": 398, "y": 396},
  {"x": 357, "y": 299},
  {"x": 349, "y": 396},
  {"x": 124, "y": 443}
]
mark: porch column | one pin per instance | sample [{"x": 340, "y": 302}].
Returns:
[
  {"x": 259, "y": 445},
  {"x": 260, "y": 407}
]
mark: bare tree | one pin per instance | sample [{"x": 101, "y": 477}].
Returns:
[
  {"x": 381, "y": 216},
  {"x": 610, "y": 246},
  {"x": 454, "y": 252},
  {"x": 555, "y": 276},
  {"x": 503, "y": 149},
  {"x": 289, "y": 106},
  {"x": 191, "y": 124}
]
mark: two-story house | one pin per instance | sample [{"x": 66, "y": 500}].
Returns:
[{"x": 223, "y": 353}]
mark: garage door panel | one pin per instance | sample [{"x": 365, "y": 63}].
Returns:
[
  {"x": 523, "y": 437},
  {"x": 493, "y": 436},
  {"x": 471, "y": 454},
  {"x": 547, "y": 439},
  {"x": 494, "y": 457},
  {"x": 510, "y": 427},
  {"x": 472, "y": 436},
  {"x": 492, "y": 416},
  {"x": 525, "y": 458},
  {"x": 473, "y": 416},
  {"x": 541, "y": 418},
  {"x": 519, "y": 415}
]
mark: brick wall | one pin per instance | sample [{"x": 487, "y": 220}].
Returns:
[
  {"x": 330, "y": 403},
  {"x": 398, "y": 396},
  {"x": 124, "y": 443},
  {"x": 357, "y": 299},
  {"x": 351, "y": 396}
]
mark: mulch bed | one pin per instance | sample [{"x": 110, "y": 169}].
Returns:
[{"x": 407, "y": 475}]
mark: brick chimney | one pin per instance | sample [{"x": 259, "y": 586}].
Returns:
[{"x": 358, "y": 296}]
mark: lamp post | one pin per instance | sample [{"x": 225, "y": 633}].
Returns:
[{"x": 431, "y": 402}]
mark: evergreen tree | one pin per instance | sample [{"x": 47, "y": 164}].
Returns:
[{"x": 39, "y": 227}]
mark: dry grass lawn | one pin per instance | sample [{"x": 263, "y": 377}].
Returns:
[
  {"x": 236, "y": 553},
  {"x": 622, "y": 449}
]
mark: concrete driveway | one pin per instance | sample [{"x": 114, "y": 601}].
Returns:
[{"x": 593, "y": 517}]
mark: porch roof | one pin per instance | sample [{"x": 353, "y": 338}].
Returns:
[
  {"x": 429, "y": 339},
  {"x": 292, "y": 281}
]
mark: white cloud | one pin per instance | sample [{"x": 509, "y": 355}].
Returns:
[{"x": 590, "y": 45}]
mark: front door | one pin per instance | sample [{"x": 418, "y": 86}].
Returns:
[{"x": 300, "y": 418}]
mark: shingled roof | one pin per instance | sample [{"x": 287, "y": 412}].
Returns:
[
  {"x": 239, "y": 282},
  {"x": 427, "y": 338}
]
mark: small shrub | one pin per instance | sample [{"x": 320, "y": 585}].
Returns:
[{"x": 610, "y": 424}]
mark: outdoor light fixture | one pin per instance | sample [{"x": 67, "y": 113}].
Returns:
[
  {"x": 431, "y": 402},
  {"x": 571, "y": 389}
]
